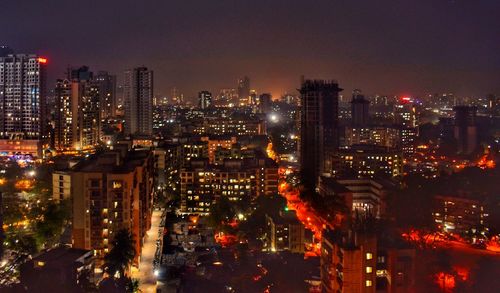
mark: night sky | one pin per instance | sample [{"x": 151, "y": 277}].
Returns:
[{"x": 379, "y": 46}]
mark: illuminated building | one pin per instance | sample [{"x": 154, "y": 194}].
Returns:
[
  {"x": 319, "y": 138},
  {"x": 204, "y": 99},
  {"x": 167, "y": 165},
  {"x": 373, "y": 135},
  {"x": 138, "y": 96},
  {"x": 367, "y": 161},
  {"x": 356, "y": 261},
  {"x": 23, "y": 113},
  {"x": 77, "y": 119},
  {"x": 465, "y": 131},
  {"x": 61, "y": 185},
  {"x": 285, "y": 232},
  {"x": 107, "y": 94},
  {"x": 111, "y": 191},
  {"x": 226, "y": 98},
  {"x": 460, "y": 214},
  {"x": 215, "y": 142},
  {"x": 230, "y": 126},
  {"x": 408, "y": 140},
  {"x": 244, "y": 91},
  {"x": 359, "y": 109},
  {"x": 193, "y": 150},
  {"x": 202, "y": 183}
]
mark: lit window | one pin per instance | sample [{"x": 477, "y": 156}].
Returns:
[
  {"x": 369, "y": 255},
  {"x": 368, "y": 283},
  {"x": 369, "y": 270}
]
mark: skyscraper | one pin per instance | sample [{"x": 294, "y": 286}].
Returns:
[
  {"x": 107, "y": 94},
  {"x": 23, "y": 114},
  {"x": 138, "y": 96},
  {"x": 359, "y": 109},
  {"x": 265, "y": 103},
  {"x": 77, "y": 119},
  {"x": 465, "y": 129},
  {"x": 204, "y": 99},
  {"x": 319, "y": 128},
  {"x": 244, "y": 90}
]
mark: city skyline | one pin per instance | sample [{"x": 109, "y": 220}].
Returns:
[{"x": 441, "y": 46}]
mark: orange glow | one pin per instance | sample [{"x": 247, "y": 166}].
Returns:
[
  {"x": 493, "y": 244},
  {"x": 24, "y": 184},
  {"x": 42, "y": 60},
  {"x": 447, "y": 282},
  {"x": 485, "y": 163}
]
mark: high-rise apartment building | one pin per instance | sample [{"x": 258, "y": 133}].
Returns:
[
  {"x": 107, "y": 94},
  {"x": 23, "y": 117},
  {"x": 319, "y": 138},
  {"x": 111, "y": 191},
  {"x": 138, "y": 96},
  {"x": 77, "y": 117},
  {"x": 204, "y": 99}
]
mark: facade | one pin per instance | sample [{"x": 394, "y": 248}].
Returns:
[
  {"x": 61, "y": 185},
  {"x": 138, "y": 96},
  {"x": 238, "y": 180},
  {"x": 285, "y": 232},
  {"x": 460, "y": 215},
  {"x": 230, "y": 126},
  {"x": 204, "y": 99},
  {"x": 373, "y": 135},
  {"x": 218, "y": 142},
  {"x": 23, "y": 113},
  {"x": 465, "y": 130},
  {"x": 359, "y": 262},
  {"x": 111, "y": 191},
  {"x": 319, "y": 138},
  {"x": 367, "y": 161}
]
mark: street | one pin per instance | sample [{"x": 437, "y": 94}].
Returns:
[{"x": 147, "y": 279}]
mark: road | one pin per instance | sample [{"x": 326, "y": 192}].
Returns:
[{"x": 147, "y": 279}]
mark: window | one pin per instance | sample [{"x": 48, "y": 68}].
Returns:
[
  {"x": 369, "y": 255},
  {"x": 369, "y": 270},
  {"x": 368, "y": 283}
]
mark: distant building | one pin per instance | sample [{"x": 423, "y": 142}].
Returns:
[
  {"x": 204, "y": 99},
  {"x": 111, "y": 191},
  {"x": 366, "y": 161},
  {"x": 61, "y": 185},
  {"x": 359, "y": 109},
  {"x": 285, "y": 232},
  {"x": 23, "y": 113},
  {"x": 373, "y": 135},
  {"x": 215, "y": 142},
  {"x": 265, "y": 101},
  {"x": 57, "y": 270},
  {"x": 244, "y": 91},
  {"x": 319, "y": 138},
  {"x": 138, "y": 96},
  {"x": 465, "y": 131}
]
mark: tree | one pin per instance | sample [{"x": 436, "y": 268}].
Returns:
[{"x": 121, "y": 254}]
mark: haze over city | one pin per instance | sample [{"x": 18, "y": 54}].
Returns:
[{"x": 385, "y": 47}]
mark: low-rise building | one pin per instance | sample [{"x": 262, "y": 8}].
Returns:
[{"x": 285, "y": 232}]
